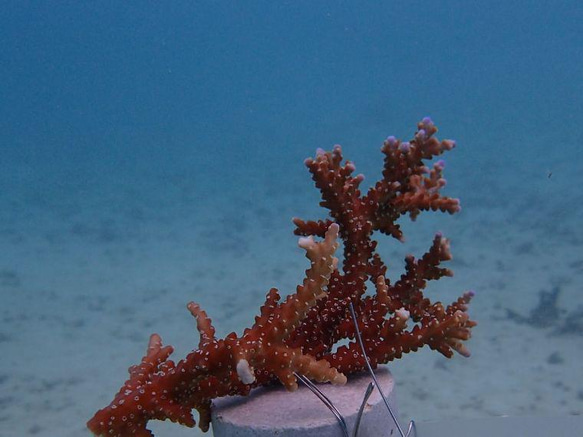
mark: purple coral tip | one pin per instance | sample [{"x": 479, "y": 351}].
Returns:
[
  {"x": 391, "y": 141},
  {"x": 405, "y": 147},
  {"x": 440, "y": 164},
  {"x": 427, "y": 121}
]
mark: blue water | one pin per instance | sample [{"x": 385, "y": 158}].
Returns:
[{"x": 151, "y": 154}]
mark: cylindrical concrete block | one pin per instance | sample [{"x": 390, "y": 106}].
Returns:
[{"x": 274, "y": 411}]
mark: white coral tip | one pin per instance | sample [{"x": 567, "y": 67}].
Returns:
[
  {"x": 306, "y": 242},
  {"x": 402, "y": 313},
  {"x": 245, "y": 372}
]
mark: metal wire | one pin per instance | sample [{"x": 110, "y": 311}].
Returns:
[
  {"x": 326, "y": 402},
  {"x": 367, "y": 394},
  {"x": 411, "y": 431}
]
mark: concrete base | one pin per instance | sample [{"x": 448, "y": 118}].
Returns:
[{"x": 274, "y": 411}]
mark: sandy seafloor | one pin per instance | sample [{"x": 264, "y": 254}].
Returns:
[
  {"x": 92, "y": 262},
  {"x": 152, "y": 155}
]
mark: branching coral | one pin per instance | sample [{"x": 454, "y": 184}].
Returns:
[{"x": 299, "y": 333}]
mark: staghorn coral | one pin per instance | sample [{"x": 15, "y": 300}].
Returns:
[
  {"x": 160, "y": 389},
  {"x": 299, "y": 334}
]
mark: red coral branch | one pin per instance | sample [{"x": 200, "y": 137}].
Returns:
[
  {"x": 160, "y": 389},
  {"x": 300, "y": 333}
]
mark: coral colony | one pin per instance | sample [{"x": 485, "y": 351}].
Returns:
[{"x": 299, "y": 334}]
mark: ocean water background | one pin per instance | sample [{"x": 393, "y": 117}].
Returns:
[{"x": 152, "y": 154}]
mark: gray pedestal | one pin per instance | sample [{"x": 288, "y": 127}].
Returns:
[{"x": 274, "y": 411}]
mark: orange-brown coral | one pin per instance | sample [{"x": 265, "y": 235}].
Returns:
[
  {"x": 160, "y": 389},
  {"x": 299, "y": 334}
]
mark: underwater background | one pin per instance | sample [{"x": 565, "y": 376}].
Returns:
[{"x": 152, "y": 154}]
